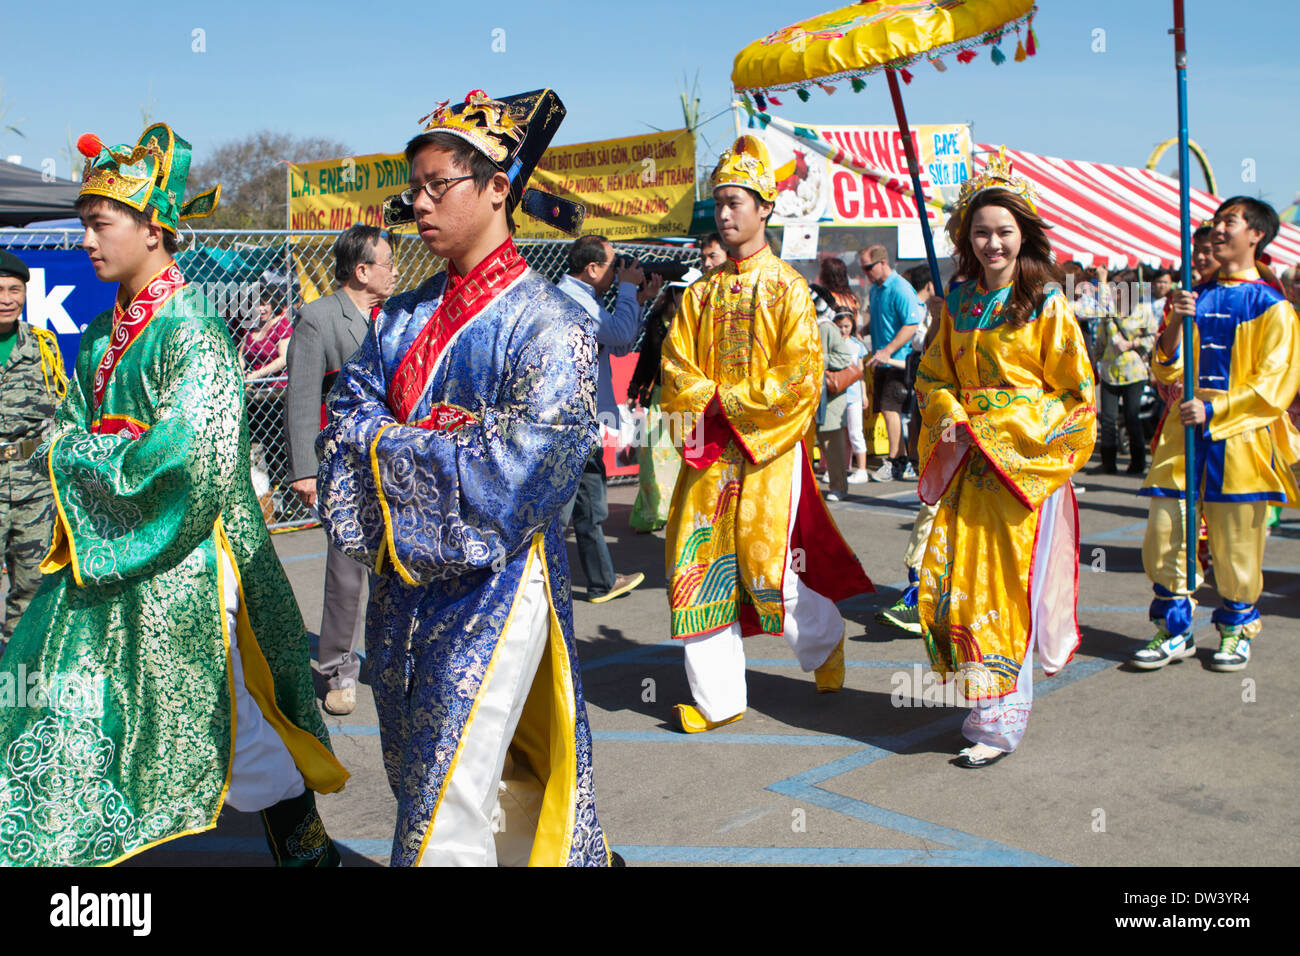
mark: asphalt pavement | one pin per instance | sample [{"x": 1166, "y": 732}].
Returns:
[{"x": 1182, "y": 766}]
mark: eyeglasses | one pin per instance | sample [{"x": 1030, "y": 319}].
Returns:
[
  {"x": 435, "y": 188},
  {"x": 387, "y": 266}
]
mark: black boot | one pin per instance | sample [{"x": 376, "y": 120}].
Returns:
[
  {"x": 296, "y": 835},
  {"x": 1108, "y": 459},
  {"x": 1137, "y": 461}
]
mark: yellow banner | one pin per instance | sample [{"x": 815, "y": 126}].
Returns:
[
  {"x": 814, "y": 188},
  {"x": 636, "y": 187},
  {"x": 337, "y": 193}
]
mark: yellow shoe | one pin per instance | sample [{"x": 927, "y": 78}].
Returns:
[
  {"x": 693, "y": 722},
  {"x": 830, "y": 676}
]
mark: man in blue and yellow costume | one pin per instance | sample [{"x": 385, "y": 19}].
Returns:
[
  {"x": 1247, "y": 344},
  {"x": 456, "y": 434},
  {"x": 163, "y": 664},
  {"x": 751, "y": 547}
]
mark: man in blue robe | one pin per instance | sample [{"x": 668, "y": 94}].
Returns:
[{"x": 456, "y": 434}]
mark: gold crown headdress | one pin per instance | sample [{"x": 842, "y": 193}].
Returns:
[
  {"x": 150, "y": 176},
  {"x": 996, "y": 174},
  {"x": 485, "y": 123},
  {"x": 513, "y": 132},
  {"x": 747, "y": 164}
]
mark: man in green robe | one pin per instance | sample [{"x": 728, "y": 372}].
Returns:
[{"x": 162, "y": 669}]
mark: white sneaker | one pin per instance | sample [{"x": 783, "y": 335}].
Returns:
[
  {"x": 831, "y": 496},
  {"x": 909, "y": 472},
  {"x": 859, "y": 477},
  {"x": 884, "y": 473}
]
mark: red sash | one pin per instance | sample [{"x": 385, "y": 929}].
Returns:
[
  {"x": 119, "y": 425},
  {"x": 462, "y": 299},
  {"x": 128, "y": 323}
]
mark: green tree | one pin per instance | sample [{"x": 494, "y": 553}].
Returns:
[{"x": 253, "y": 179}]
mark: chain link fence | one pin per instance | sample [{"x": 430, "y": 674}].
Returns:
[{"x": 257, "y": 281}]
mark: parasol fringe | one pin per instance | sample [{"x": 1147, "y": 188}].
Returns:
[
  {"x": 773, "y": 100},
  {"x": 1020, "y": 51},
  {"x": 997, "y": 56},
  {"x": 761, "y": 102},
  {"x": 802, "y": 94},
  {"x": 827, "y": 87},
  {"x": 858, "y": 84},
  {"x": 957, "y": 48},
  {"x": 907, "y": 77},
  {"x": 939, "y": 65}
]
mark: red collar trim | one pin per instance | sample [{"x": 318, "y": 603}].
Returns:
[
  {"x": 130, "y": 322},
  {"x": 462, "y": 299}
]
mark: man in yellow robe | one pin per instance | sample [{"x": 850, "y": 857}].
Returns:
[
  {"x": 1247, "y": 348},
  {"x": 751, "y": 547}
]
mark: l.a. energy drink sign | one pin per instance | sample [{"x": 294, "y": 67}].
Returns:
[{"x": 63, "y": 295}]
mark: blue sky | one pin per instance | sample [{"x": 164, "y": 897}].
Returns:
[{"x": 363, "y": 74}]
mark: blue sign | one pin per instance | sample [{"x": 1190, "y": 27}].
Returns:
[{"x": 63, "y": 295}]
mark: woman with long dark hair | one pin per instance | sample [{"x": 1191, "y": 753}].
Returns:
[
  {"x": 1006, "y": 398},
  {"x": 834, "y": 275}
]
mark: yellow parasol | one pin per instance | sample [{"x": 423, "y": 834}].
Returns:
[{"x": 858, "y": 40}]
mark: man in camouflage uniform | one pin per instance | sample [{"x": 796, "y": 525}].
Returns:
[{"x": 32, "y": 382}]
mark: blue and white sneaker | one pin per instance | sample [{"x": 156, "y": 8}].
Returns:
[
  {"x": 1164, "y": 648},
  {"x": 1234, "y": 649}
]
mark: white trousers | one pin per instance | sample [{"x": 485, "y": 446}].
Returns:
[
  {"x": 715, "y": 661},
  {"x": 1001, "y": 723},
  {"x": 853, "y": 422},
  {"x": 489, "y": 808},
  {"x": 262, "y": 771}
]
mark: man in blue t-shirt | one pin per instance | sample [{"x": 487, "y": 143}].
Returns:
[{"x": 893, "y": 306}]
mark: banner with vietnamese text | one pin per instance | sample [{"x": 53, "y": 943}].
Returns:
[{"x": 637, "y": 187}]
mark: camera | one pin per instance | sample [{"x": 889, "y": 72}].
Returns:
[{"x": 671, "y": 271}]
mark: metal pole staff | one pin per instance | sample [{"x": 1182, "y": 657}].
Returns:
[
  {"x": 1185, "y": 213},
  {"x": 914, "y": 168}
]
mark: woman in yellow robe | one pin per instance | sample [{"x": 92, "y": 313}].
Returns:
[{"x": 1006, "y": 397}]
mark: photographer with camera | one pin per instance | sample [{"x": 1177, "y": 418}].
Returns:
[{"x": 593, "y": 270}]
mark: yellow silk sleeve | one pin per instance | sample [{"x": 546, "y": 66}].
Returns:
[
  {"x": 1167, "y": 368},
  {"x": 1056, "y": 439},
  {"x": 770, "y": 412},
  {"x": 937, "y": 390},
  {"x": 686, "y": 389},
  {"x": 1265, "y": 374}
]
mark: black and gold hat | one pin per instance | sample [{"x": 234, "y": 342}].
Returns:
[{"x": 513, "y": 132}]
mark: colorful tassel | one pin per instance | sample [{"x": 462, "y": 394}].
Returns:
[
  {"x": 1020, "y": 51},
  {"x": 939, "y": 65},
  {"x": 827, "y": 87},
  {"x": 858, "y": 84},
  {"x": 965, "y": 56},
  {"x": 1032, "y": 46},
  {"x": 998, "y": 56},
  {"x": 907, "y": 77},
  {"x": 802, "y": 94},
  {"x": 762, "y": 103},
  {"x": 773, "y": 100}
]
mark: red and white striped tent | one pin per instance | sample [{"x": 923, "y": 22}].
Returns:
[{"x": 1118, "y": 215}]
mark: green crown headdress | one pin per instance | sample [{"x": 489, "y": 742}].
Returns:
[{"x": 150, "y": 176}]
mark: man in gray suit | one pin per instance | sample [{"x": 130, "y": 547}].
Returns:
[{"x": 329, "y": 330}]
